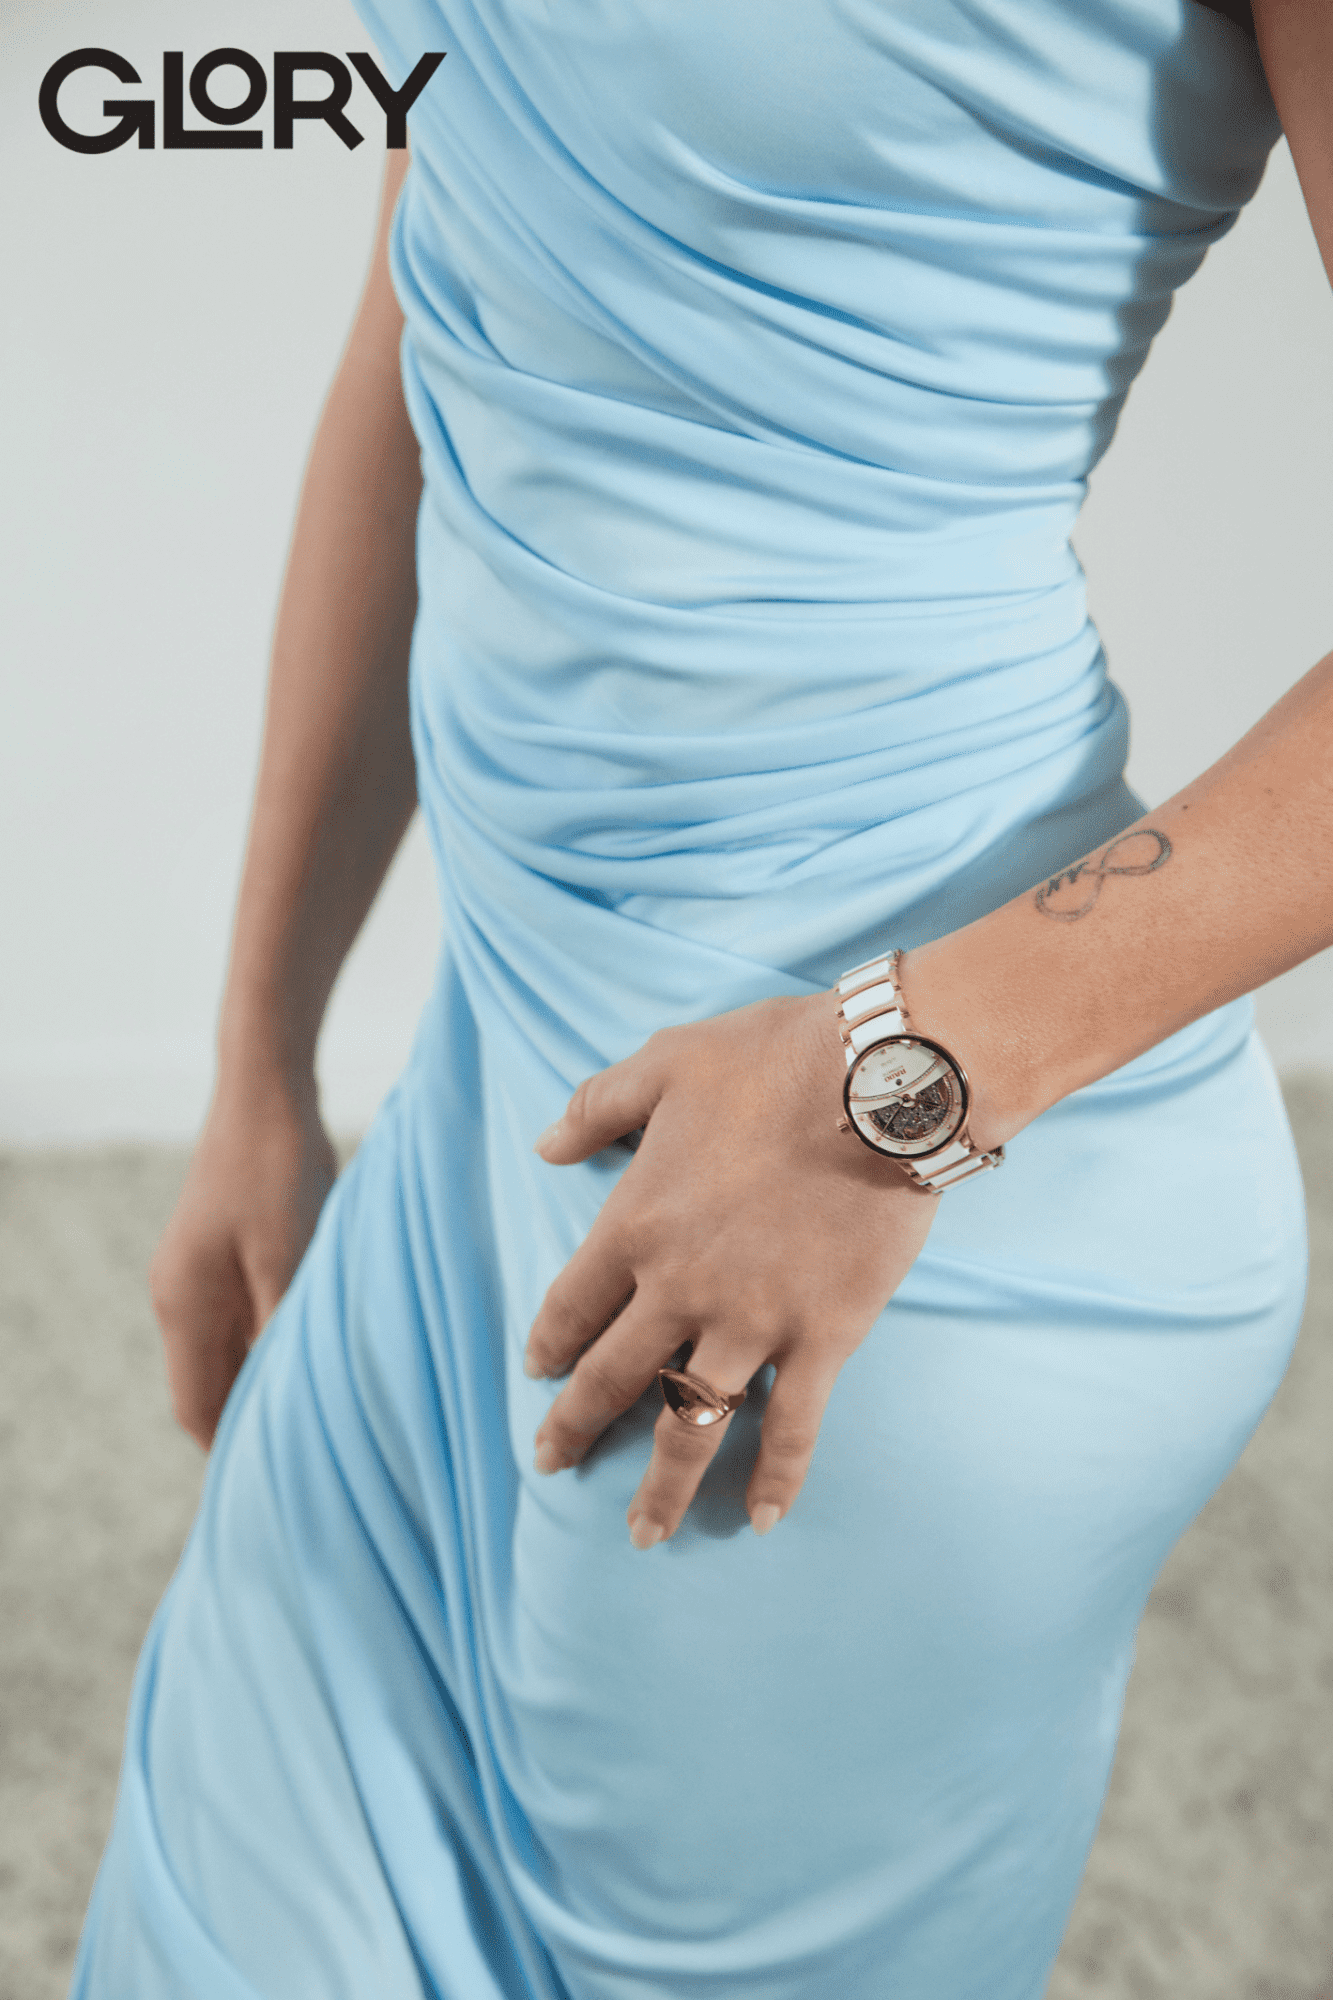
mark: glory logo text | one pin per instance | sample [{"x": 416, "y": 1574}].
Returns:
[{"x": 291, "y": 100}]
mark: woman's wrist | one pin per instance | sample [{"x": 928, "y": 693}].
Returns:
[
  {"x": 266, "y": 1051},
  {"x": 953, "y": 997},
  {"x": 948, "y": 1000}
]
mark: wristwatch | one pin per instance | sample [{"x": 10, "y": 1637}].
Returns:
[{"x": 905, "y": 1095}]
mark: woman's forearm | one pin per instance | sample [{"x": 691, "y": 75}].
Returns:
[
  {"x": 1207, "y": 897},
  {"x": 336, "y": 786}
]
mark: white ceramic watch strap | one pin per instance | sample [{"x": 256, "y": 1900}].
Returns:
[
  {"x": 874, "y": 1009},
  {"x": 955, "y": 1163}
]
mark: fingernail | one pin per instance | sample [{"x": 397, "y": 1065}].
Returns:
[
  {"x": 547, "y": 1459},
  {"x": 765, "y": 1516},
  {"x": 644, "y": 1533},
  {"x": 547, "y": 1135},
  {"x": 532, "y": 1366}
]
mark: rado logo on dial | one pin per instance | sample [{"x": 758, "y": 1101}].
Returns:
[{"x": 291, "y": 100}]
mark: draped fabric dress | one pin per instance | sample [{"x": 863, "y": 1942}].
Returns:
[{"x": 759, "y": 353}]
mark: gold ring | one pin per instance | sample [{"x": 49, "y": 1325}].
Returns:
[{"x": 693, "y": 1400}]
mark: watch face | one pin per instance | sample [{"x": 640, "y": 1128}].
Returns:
[{"x": 906, "y": 1097}]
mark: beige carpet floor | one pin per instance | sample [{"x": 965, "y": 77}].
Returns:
[{"x": 1212, "y": 1876}]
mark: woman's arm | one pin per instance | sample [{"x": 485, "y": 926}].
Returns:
[
  {"x": 335, "y": 791},
  {"x": 336, "y": 785},
  {"x": 746, "y": 1224}
]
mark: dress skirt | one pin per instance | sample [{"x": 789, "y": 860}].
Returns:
[{"x": 413, "y": 1720}]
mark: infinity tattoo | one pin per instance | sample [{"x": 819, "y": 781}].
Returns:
[{"x": 1096, "y": 873}]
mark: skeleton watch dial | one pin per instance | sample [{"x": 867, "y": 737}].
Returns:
[{"x": 906, "y": 1097}]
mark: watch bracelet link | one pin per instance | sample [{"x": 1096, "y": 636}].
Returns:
[{"x": 872, "y": 1010}]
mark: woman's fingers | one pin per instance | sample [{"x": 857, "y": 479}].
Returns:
[
  {"x": 204, "y": 1308},
  {"x": 608, "y": 1379},
  {"x": 613, "y": 1371},
  {"x": 606, "y": 1107},
  {"x": 796, "y": 1405},
  {"x": 683, "y": 1452},
  {"x": 592, "y": 1289}
]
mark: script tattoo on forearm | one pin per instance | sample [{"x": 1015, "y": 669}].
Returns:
[{"x": 1071, "y": 894}]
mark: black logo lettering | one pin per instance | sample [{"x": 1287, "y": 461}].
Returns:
[
  {"x": 216, "y": 133},
  {"x": 135, "y": 113},
  {"x": 395, "y": 104},
  {"x": 287, "y": 107},
  {"x": 174, "y": 133}
]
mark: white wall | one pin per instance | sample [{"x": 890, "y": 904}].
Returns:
[{"x": 169, "y": 326}]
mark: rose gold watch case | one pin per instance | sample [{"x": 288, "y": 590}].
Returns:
[{"x": 951, "y": 1137}]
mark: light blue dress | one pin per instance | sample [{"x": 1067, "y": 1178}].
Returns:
[{"x": 759, "y": 353}]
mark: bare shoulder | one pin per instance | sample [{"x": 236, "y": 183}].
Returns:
[{"x": 1296, "y": 43}]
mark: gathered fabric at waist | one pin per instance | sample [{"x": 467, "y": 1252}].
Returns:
[
  {"x": 573, "y": 696},
  {"x": 777, "y": 780}
]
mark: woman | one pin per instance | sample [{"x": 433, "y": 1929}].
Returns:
[{"x": 755, "y": 361}]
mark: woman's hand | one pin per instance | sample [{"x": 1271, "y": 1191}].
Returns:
[
  {"x": 252, "y": 1196},
  {"x": 746, "y": 1224}
]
